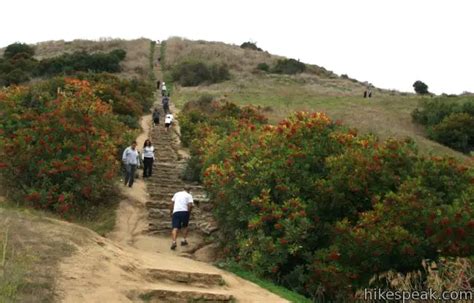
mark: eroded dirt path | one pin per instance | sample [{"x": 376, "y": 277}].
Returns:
[{"x": 134, "y": 263}]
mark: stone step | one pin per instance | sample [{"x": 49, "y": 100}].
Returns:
[
  {"x": 206, "y": 227},
  {"x": 186, "y": 296},
  {"x": 203, "y": 280}
]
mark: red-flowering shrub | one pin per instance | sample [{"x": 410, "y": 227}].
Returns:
[
  {"x": 316, "y": 207},
  {"x": 58, "y": 153}
]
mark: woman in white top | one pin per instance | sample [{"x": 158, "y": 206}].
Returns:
[{"x": 148, "y": 158}]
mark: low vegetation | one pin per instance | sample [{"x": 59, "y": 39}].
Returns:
[
  {"x": 195, "y": 73},
  {"x": 251, "y": 45},
  {"x": 296, "y": 215},
  {"x": 81, "y": 62},
  {"x": 19, "y": 65},
  {"x": 289, "y": 67},
  {"x": 449, "y": 121}
]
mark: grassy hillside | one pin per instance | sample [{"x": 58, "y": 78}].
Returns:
[
  {"x": 386, "y": 114},
  {"x": 136, "y": 63}
]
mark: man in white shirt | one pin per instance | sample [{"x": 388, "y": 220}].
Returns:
[
  {"x": 180, "y": 210},
  {"x": 130, "y": 159},
  {"x": 168, "y": 120}
]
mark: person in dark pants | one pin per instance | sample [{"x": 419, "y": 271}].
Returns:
[
  {"x": 180, "y": 212},
  {"x": 156, "y": 117},
  {"x": 163, "y": 89},
  {"x": 158, "y": 83},
  {"x": 131, "y": 160},
  {"x": 166, "y": 104},
  {"x": 148, "y": 158}
]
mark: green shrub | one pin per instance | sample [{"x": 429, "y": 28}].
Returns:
[
  {"x": 130, "y": 121},
  {"x": 81, "y": 62},
  {"x": 448, "y": 121},
  {"x": 15, "y": 77},
  {"x": 15, "y": 49},
  {"x": 17, "y": 65},
  {"x": 250, "y": 45},
  {"x": 455, "y": 131},
  {"x": 263, "y": 67},
  {"x": 288, "y": 66},
  {"x": 127, "y": 97},
  {"x": 195, "y": 73}
]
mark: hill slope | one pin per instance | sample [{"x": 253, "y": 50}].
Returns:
[{"x": 386, "y": 114}]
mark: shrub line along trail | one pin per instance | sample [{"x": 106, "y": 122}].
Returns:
[{"x": 130, "y": 265}]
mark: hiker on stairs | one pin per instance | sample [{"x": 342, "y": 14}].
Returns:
[
  {"x": 168, "y": 120},
  {"x": 131, "y": 159},
  {"x": 148, "y": 158},
  {"x": 163, "y": 89},
  {"x": 156, "y": 117},
  {"x": 180, "y": 212},
  {"x": 166, "y": 104}
]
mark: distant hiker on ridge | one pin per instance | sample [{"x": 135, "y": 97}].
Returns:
[
  {"x": 131, "y": 160},
  {"x": 180, "y": 212},
  {"x": 148, "y": 158},
  {"x": 156, "y": 117}
]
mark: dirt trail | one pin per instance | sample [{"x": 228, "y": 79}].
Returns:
[{"x": 132, "y": 265}]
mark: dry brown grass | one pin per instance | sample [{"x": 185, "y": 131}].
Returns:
[
  {"x": 35, "y": 245},
  {"x": 243, "y": 62},
  {"x": 445, "y": 275},
  {"x": 238, "y": 59}
]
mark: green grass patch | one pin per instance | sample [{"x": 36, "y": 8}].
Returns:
[
  {"x": 278, "y": 290},
  {"x": 384, "y": 115},
  {"x": 100, "y": 219}
]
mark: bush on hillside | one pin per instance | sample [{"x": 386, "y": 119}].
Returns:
[
  {"x": 68, "y": 145},
  {"x": 250, "y": 45},
  {"x": 127, "y": 97},
  {"x": 16, "y": 49},
  {"x": 315, "y": 207},
  {"x": 263, "y": 67},
  {"x": 17, "y": 64},
  {"x": 81, "y": 62},
  {"x": 14, "y": 77},
  {"x": 195, "y": 73},
  {"x": 448, "y": 121},
  {"x": 289, "y": 67},
  {"x": 206, "y": 117},
  {"x": 455, "y": 131}
]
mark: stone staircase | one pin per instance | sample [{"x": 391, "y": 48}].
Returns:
[
  {"x": 166, "y": 180},
  {"x": 199, "y": 287}
]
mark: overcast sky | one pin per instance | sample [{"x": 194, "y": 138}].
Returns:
[{"x": 390, "y": 43}]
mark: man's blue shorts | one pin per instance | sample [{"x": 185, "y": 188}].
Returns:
[{"x": 180, "y": 219}]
